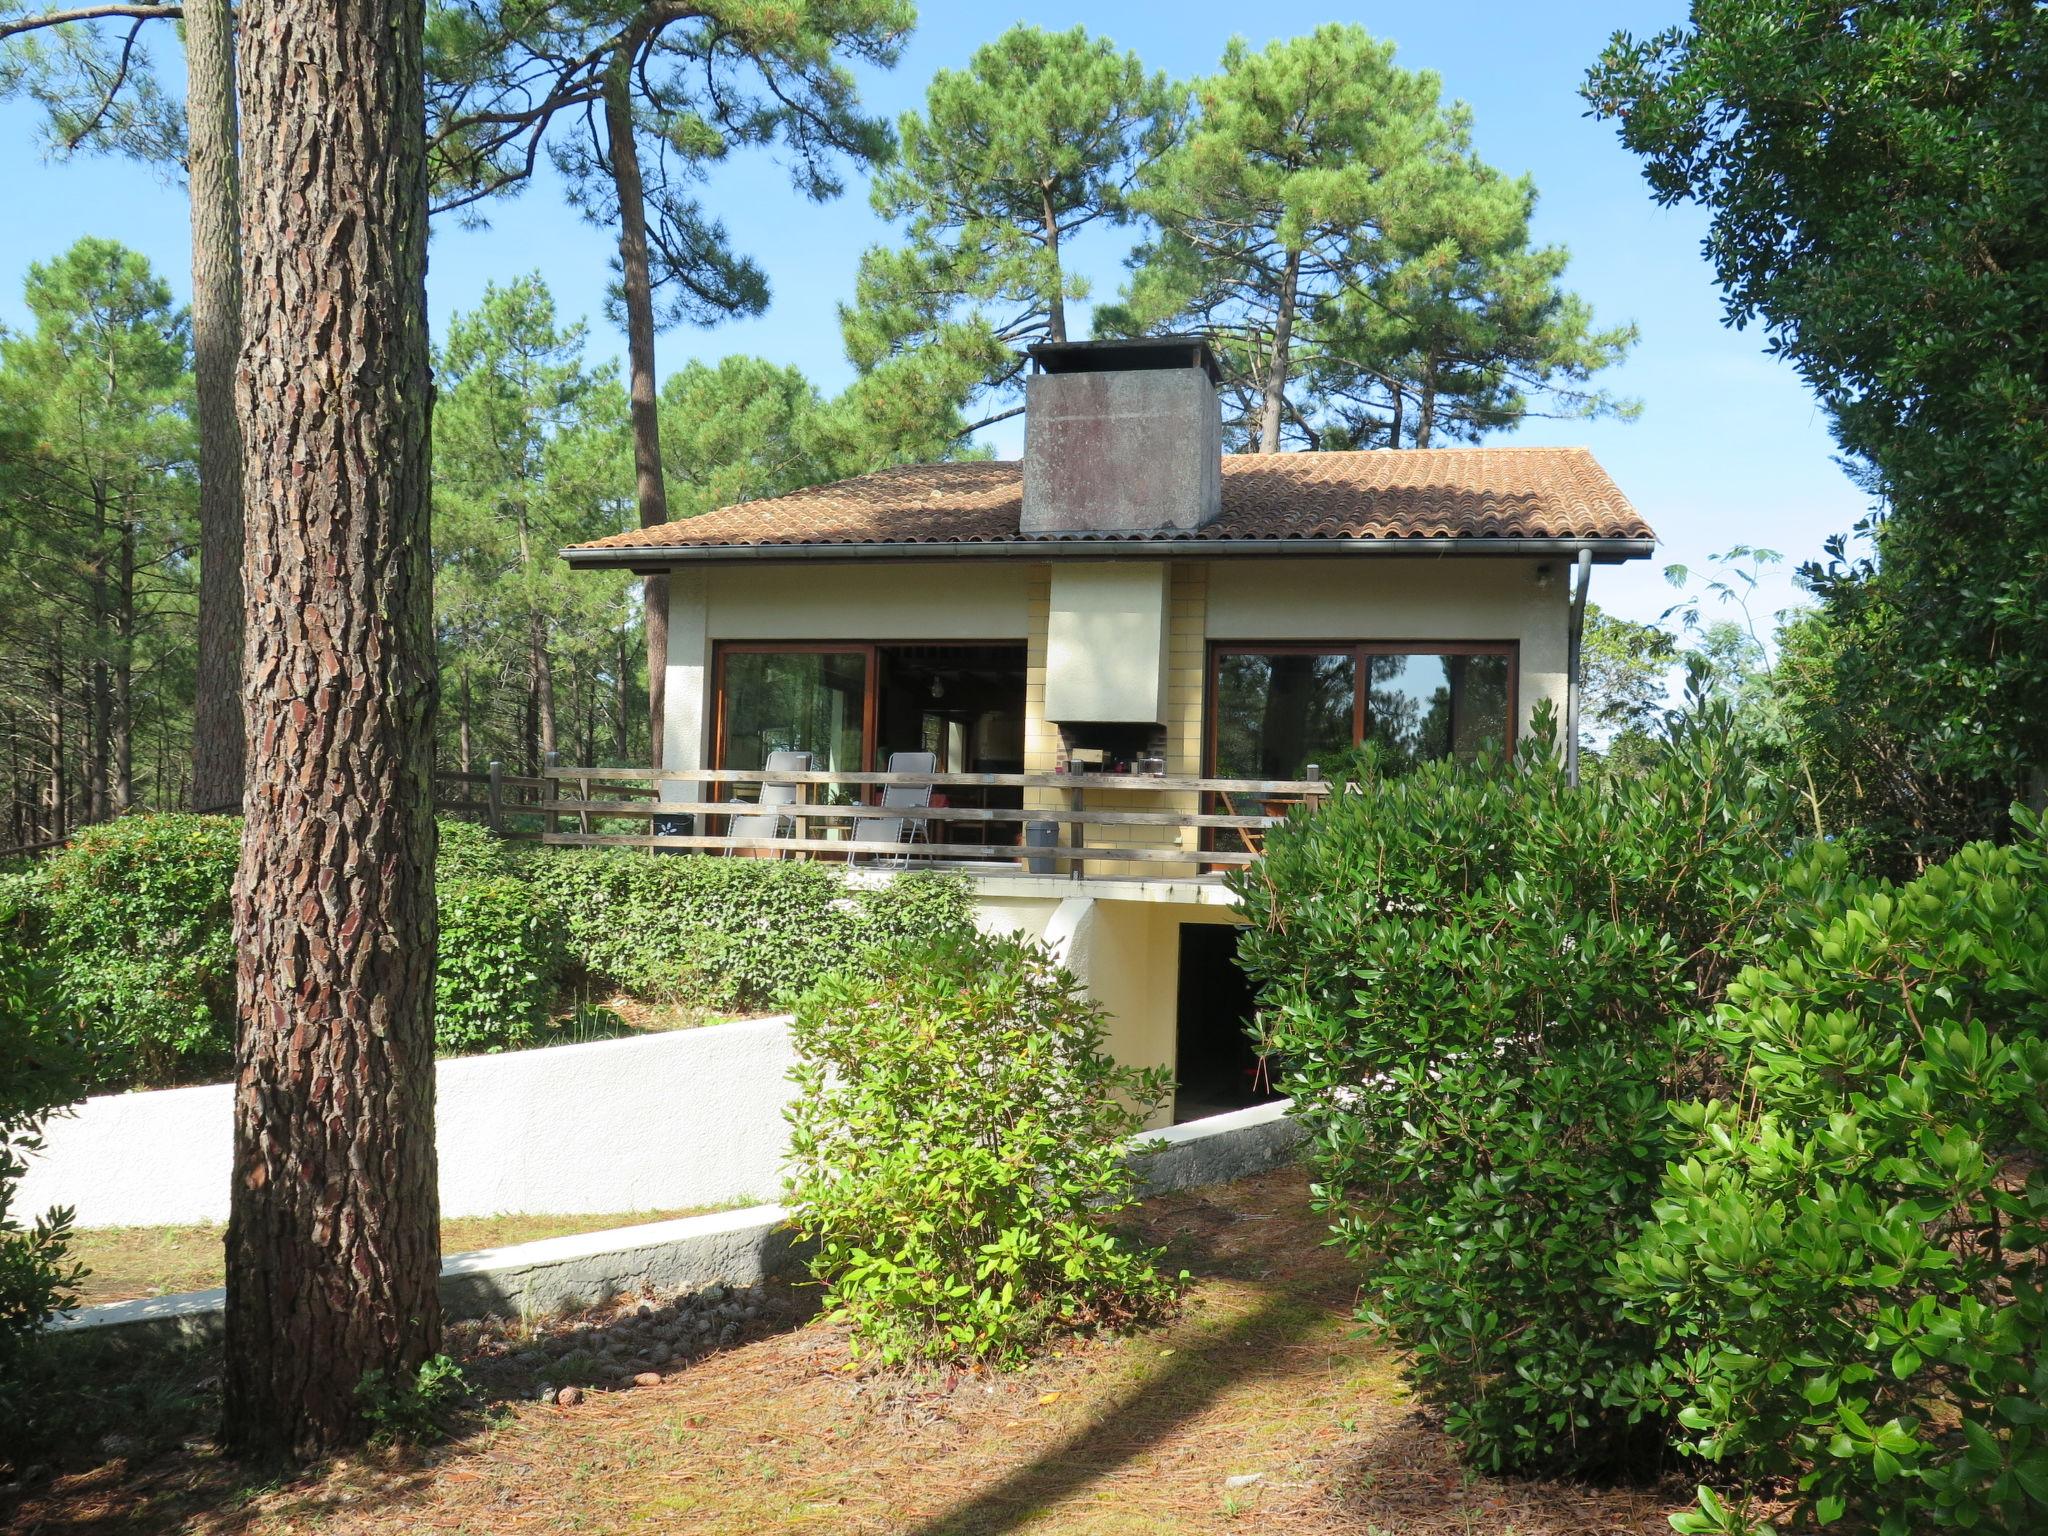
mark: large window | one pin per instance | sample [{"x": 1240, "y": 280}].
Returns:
[
  {"x": 851, "y": 706},
  {"x": 1278, "y": 708},
  {"x": 794, "y": 700}
]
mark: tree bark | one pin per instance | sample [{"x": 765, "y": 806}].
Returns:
[
  {"x": 1056, "y": 299},
  {"x": 121, "y": 694},
  {"x": 543, "y": 686},
  {"x": 1425, "y": 409},
  {"x": 214, "y": 179},
  {"x": 1275, "y": 403},
  {"x": 637, "y": 286},
  {"x": 333, "y": 1233}
]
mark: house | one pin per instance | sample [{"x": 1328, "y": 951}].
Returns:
[{"x": 1129, "y": 597}]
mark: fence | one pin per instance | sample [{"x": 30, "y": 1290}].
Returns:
[{"x": 1197, "y": 821}]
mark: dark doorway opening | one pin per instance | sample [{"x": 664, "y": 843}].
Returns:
[{"x": 1218, "y": 1067}]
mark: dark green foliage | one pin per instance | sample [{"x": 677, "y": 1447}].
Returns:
[
  {"x": 498, "y": 964},
  {"x": 1849, "y": 1266},
  {"x": 412, "y": 1409},
  {"x": 729, "y": 933},
  {"x": 38, "y": 1074},
  {"x": 1482, "y": 984},
  {"x": 1880, "y": 203},
  {"x": 1035, "y": 141},
  {"x": 137, "y": 920},
  {"x": 957, "y": 1152},
  {"x": 472, "y": 852},
  {"x": 141, "y": 929}
]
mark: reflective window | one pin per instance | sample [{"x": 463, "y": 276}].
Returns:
[
  {"x": 1280, "y": 709},
  {"x": 796, "y": 701}
]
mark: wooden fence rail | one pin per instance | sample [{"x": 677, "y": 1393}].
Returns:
[{"x": 571, "y": 807}]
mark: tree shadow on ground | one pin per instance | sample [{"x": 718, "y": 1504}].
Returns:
[
  {"x": 125, "y": 1445},
  {"x": 1138, "y": 1423}
]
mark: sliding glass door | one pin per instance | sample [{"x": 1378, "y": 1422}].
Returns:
[{"x": 788, "y": 700}]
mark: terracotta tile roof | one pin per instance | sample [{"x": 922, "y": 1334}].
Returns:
[{"x": 1406, "y": 494}]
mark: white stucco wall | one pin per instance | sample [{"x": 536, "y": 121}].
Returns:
[{"x": 668, "y": 1121}]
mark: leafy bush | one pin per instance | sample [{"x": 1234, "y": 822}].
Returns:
[
  {"x": 1482, "y": 985},
  {"x": 957, "y": 1152},
  {"x": 500, "y": 955},
  {"x": 730, "y": 933},
  {"x": 139, "y": 921},
  {"x": 471, "y": 852},
  {"x": 1850, "y": 1266},
  {"x": 412, "y": 1408},
  {"x": 38, "y": 1074}
]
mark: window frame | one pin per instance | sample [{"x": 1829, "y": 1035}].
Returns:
[
  {"x": 1358, "y": 651},
  {"x": 870, "y": 692}
]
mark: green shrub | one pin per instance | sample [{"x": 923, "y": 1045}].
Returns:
[
  {"x": 957, "y": 1152},
  {"x": 1482, "y": 986},
  {"x": 412, "y": 1408},
  {"x": 730, "y": 933},
  {"x": 1850, "y": 1266},
  {"x": 470, "y": 852},
  {"x": 138, "y": 918},
  {"x": 38, "y": 1074},
  {"x": 500, "y": 957}
]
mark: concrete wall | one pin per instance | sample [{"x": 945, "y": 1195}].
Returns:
[
  {"x": 1126, "y": 951},
  {"x": 673, "y": 1120},
  {"x": 737, "y": 1247}
]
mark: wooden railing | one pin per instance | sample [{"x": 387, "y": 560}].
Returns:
[{"x": 621, "y": 807}]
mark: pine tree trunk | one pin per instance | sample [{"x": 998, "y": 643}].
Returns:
[
  {"x": 543, "y": 687},
  {"x": 211, "y": 170},
  {"x": 1275, "y": 388},
  {"x": 1425, "y": 409},
  {"x": 121, "y": 689},
  {"x": 637, "y": 286},
  {"x": 333, "y": 1233},
  {"x": 622, "y": 703},
  {"x": 1056, "y": 297},
  {"x": 463, "y": 739}
]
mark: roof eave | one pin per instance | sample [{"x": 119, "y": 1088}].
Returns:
[{"x": 1605, "y": 551}]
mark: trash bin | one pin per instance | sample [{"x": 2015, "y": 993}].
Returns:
[{"x": 1040, "y": 834}]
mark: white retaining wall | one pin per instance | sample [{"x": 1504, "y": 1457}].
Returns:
[{"x": 688, "y": 1118}]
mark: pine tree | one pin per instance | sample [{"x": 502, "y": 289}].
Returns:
[
  {"x": 531, "y": 452},
  {"x": 633, "y": 101},
  {"x": 1362, "y": 275},
  {"x": 102, "y": 95},
  {"x": 97, "y": 460},
  {"x": 1040, "y": 137},
  {"x": 333, "y": 1243}
]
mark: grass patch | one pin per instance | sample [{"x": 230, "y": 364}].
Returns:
[
  {"x": 128, "y": 1262},
  {"x": 1261, "y": 1407}
]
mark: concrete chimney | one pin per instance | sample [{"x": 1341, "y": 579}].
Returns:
[{"x": 1122, "y": 437}]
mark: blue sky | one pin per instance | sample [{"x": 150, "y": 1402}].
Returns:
[{"x": 1730, "y": 448}]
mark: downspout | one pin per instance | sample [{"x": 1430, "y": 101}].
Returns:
[{"x": 1580, "y": 584}]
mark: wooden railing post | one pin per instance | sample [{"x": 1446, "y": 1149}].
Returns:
[
  {"x": 550, "y": 793},
  {"x": 495, "y": 813}
]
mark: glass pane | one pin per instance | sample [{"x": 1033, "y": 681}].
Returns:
[
  {"x": 1276, "y": 713},
  {"x": 1424, "y": 707},
  {"x": 1479, "y": 690},
  {"x": 794, "y": 701}
]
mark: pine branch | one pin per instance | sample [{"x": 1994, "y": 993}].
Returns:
[{"x": 141, "y": 12}]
